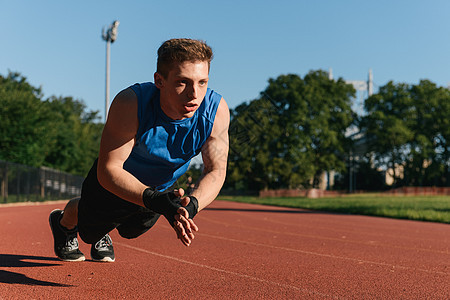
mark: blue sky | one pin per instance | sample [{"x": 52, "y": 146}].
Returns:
[{"x": 57, "y": 44}]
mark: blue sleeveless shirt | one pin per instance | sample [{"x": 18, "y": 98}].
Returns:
[{"x": 165, "y": 147}]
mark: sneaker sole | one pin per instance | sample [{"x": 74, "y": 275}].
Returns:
[
  {"x": 105, "y": 259},
  {"x": 82, "y": 258}
]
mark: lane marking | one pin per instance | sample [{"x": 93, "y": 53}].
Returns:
[
  {"x": 323, "y": 255},
  {"x": 281, "y": 285},
  {"x": 325, "y": 238},
  {"x": 368, "y": 230},
  {"x": 370, "y": 227}
]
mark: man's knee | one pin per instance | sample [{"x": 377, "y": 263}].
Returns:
[
  {"x": 130, "y": 233},
  {"x": 129, "y": 236},
  {"x": 136, "y": 227}
]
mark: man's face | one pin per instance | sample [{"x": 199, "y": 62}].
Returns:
[{"x": 183, "y": 90}]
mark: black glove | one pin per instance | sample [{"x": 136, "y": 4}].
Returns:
[
  {"x": 192, "y": 207},
  {"x": 164, "y": 203}
]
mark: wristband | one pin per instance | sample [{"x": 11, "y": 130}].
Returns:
[{"x": 192, "y": 207}]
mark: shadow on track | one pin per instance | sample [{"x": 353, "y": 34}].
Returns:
[{"x": 19, "y": 261}]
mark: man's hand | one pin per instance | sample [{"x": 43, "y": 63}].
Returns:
[
  {"x": 178, "y": 210},
  {"x": 165, "y": 203},
  {"x": 184, "y": 226}
]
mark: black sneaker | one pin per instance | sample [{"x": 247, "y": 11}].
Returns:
[
  {"x": 103, "y": 250},
  {"x": 65, "y": 241}
]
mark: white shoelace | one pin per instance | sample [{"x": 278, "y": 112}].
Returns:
[
  {"x": 72, "y": 244},
  {"x": 103, "y": 243}
]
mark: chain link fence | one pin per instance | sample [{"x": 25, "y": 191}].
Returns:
[{"x": 20, "y": 183}]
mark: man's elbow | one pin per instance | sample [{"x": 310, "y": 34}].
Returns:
[{"x": 104, "y": 175}]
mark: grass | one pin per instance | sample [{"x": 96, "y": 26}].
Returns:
[{"x": 421, "y": 208}]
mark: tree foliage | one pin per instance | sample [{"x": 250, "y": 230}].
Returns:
[
  {"x": 77, "y": 141},
  {"x": 292, "y": 134},
  {"x": 56, "y": 132},
  {"x": 26, "y": 126},
  {"x": 408, "y": 131}
]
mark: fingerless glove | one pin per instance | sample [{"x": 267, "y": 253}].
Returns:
[
  {"x": 164, "y": 203},
  {"x": 192, "y": 207}
]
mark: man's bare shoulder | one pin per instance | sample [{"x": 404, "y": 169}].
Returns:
[
  {"x": 222, "y": 119},
  {"x": 126, "y": 96},
  {"x": 123, "y": 111}
]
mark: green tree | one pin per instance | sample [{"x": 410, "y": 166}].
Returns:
[
  {"x": 78, "y": 136},
  {"x": 57, "y": 132},
  {"x": 442, "y": 139},
  {"x": 428, "y": 161},
  {"x": 27, "y": 128},
  {"x": 388, "y": 125},
  {"x": 292, "y": 134},
  {"x": 407, "y": 127}
]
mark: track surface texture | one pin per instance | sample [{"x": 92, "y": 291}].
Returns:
[{"x": 241, "y": 251}]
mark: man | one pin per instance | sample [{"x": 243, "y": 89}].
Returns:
[{"x": 152, "y": 132}]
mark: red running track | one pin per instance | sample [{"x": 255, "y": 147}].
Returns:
[{"x": 242, "y": 251}]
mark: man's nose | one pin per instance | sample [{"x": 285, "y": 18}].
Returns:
[{"x": 193, "y": 92}]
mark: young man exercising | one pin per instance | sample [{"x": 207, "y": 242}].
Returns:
[{"x": 152, "y": 132}]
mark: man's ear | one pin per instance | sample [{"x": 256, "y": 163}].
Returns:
[{"x": 159, "y": 80}]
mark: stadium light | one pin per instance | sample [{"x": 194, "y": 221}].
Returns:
[{"x": 109, "y": 35}]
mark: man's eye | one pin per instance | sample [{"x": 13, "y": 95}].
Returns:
[{"x": 202, "y": 83}]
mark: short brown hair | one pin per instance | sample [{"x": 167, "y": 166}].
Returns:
[{"x": 181, "y": 50}]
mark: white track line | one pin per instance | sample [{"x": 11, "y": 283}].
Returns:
[
  {"x": 325, "y": 238},
  {"x": 281, "y": 285},
  {"x": 323, "y": 255},
  {"x": 369, "y": 229},
  {"x": 360, "y": 261}
]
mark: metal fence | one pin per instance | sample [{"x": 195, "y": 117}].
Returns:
[{"x": 19, "y": 183}]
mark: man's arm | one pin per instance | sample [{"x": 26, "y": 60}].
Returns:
[
  {"x": 117, "y": 141},
  {"x": 215, "y": 156}
]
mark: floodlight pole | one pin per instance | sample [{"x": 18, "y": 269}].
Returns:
[
  {"x": 110, "y": 35},
  {"x": 108, "y": 46}
]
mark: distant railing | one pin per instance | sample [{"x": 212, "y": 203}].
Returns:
[
  {"x": 20, "y": 183},
  {"x": 420, "y": 191}
]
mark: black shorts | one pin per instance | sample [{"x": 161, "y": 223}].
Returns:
[{"x": 100, "y": 211}]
